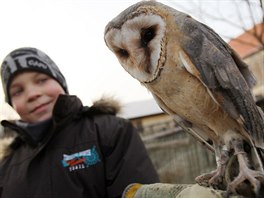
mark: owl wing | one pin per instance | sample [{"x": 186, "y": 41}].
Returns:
[
  {"x": 186, "y": 126},
  {"x": 228, "y": 80}
]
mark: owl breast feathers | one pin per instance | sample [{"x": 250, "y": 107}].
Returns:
[{"x": 195, "y": 77}]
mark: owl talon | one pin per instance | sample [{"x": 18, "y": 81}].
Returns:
[
  {"x": 204, "y": 179},
  {"x": 213, "y": 179},
  {"x": 254, "y": 177},
  {"x": 249, "y": 175},
  {"x": 216, "y": 180}
]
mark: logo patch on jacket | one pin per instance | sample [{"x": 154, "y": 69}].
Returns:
[{"x": 81, "y": 160}]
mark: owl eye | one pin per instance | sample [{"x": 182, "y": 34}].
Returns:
[
  {"x": 123, "y": 53},
  {"x": 147, "y": 34}
]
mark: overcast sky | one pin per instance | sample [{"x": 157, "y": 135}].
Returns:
[{"x": 71, "y": 33}]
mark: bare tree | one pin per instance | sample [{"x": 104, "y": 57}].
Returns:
[{"x": 238, "y": 15}]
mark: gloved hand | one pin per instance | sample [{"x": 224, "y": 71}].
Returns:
[{"x": 162, "y": 190}]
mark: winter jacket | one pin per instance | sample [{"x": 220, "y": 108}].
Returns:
[{"x": 88, "y": 153}]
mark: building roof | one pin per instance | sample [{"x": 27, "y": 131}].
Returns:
[
  {"x": 140, "y": 109},
  {"x": 247, "y": 44}
]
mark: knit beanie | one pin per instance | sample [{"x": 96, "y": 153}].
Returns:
[{"x": 28, "y": 59}]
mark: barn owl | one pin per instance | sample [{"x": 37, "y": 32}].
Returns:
[{"x": 195, "y": 77}]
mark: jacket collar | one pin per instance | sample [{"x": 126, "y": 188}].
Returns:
[{"x": 66, "y": 107}]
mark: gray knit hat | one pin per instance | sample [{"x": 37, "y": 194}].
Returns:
[{"x": 28, "y": 59}]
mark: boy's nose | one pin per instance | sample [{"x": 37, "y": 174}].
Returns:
[{"x": 32, "y": 93}]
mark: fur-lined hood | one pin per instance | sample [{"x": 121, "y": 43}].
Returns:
[
  {"x": 6, "y": 138},
  {"x": 101, "y": 106},
  {"x": 106, "y": 105}
]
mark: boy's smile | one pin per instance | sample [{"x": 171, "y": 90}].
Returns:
[
  {"x": 40, "y": 108},
  {"x": 33, "y": 95}
]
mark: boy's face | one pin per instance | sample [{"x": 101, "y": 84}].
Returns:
[{"x": 33, "y": 96}]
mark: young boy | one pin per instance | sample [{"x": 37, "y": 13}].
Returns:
[{"x": 62, "y": 148}]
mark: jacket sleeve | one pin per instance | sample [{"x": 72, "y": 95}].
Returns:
[
  {"x": 1, "y": 184},
  {"x": 4, "y": 163},
  {"x": 125, "y": 156}
]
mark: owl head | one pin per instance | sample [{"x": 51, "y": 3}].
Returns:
[{"x": 137, "y": 36}]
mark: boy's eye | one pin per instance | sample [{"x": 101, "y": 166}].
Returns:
[
  {"x": 16, "y": 92},
  {"x": 42, "y": 80}
]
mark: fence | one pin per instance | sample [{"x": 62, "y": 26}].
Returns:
[{"x": 176, "y": 155}]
